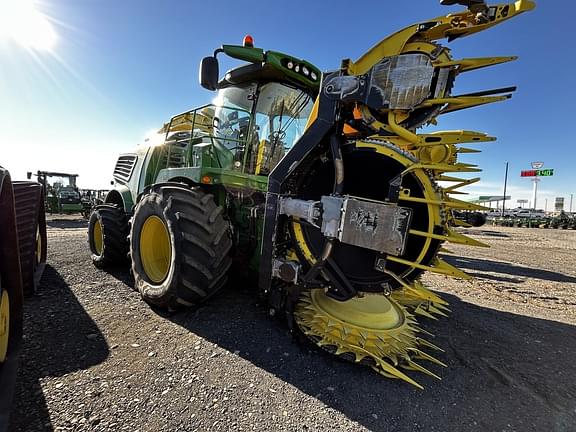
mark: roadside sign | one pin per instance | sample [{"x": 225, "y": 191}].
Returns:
[{"x": 548, "y": 172}]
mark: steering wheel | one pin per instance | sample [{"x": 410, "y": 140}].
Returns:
[{"x": 277, "y": 136}]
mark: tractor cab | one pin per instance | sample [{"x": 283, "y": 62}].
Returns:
[
  {"x": 258, "y": 122},
  {"x": 260, "y": 110},
  {"x": 62, "y": 194}
]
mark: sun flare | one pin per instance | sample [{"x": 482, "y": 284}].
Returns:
[{"x": 23, "y": 23}]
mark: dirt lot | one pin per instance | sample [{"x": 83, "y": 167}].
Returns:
[{"x": 98, "y": 358}]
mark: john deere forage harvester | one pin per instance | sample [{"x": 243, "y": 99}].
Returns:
[{"x": 317, "y": 183}]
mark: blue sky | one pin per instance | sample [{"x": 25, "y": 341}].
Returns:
[{"x": 119, "y": 69}]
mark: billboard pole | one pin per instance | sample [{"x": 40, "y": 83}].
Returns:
[
  {"x": 535, "y": 192},
  {"x": 504, "y": 197}
]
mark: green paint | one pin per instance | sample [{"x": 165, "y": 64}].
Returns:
[{"x": 545, "y": 172}]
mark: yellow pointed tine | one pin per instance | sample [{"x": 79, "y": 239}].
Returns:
[
  {"x": 392, "y": 371},
  {"x": 455, "y": 237},
  {"x": 441, "y": 306},
  {"x": 429, "y": 344},
  {"x": 416, "y": 367},
  {"x": 430, "y": 295},
  {"x": 424, "y": 356},
  {"x": 450, "y": 270},
  {"x": 426, "y": 332},
  {"x": 468, "y": 64},
  {"x": 432, "y": 309},
  {"x": 421, "y": 311},
  {"x": 460, "y": 183},
  {"x": 468, "y": 150}
]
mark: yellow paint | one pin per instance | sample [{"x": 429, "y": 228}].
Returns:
[
  {"x": 443, "y": 138},
  {"x": 403, "y": 133},
  {"x": 454, "y": 24},
  {"x": 313, "y": 114},
  {"x": 440, "y": 267},
  {"x": 98, "y": 237},
  {"x": 155, "y": 249},
  {"x": 4, "y": 324},
  {"x": 301, "y": 242},
  {"x": 448, "y": 202},
  {"x": 373, "y": 326},
  {"x": 38, "y": 252},
  {"x": 451, "y": 237},
  {"x": 461, "y": 102},
  {"x": 390, "y": 46},
  {"x": 260, "y": 157},
  {"x": 468, "y": 64},
  {"x": 370, "y": 312}
]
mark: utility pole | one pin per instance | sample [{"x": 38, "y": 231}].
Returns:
[
  {"x": 571, "y": 196},
  {"x": 505, "y": 182}
]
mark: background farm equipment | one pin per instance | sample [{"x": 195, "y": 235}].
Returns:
[
  {"x": 22, "y": 259},
  {"x": 60, "y": 191},
  {"x": 90, "y": 198}
]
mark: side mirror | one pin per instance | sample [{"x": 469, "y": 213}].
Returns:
[{"x": 209, "y": 73}]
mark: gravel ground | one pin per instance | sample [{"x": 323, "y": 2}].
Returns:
[{"x": 98, "y": 358}]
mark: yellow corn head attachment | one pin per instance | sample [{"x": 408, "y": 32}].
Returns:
[{"x": 401, "y": 84}]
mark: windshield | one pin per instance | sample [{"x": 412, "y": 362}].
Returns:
[
  {"x": 281, "y": 116},
  {"x": 232, "y": 115},
  {"x": 258, "y": 141},
  {"x": 59, "y": 181}
]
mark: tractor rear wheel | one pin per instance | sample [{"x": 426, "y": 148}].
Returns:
[
  {"x": 108, "y": 236},
  {"x": 179, "y": 244}
]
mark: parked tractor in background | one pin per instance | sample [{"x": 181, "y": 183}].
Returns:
[
  {"x": 62, "y": 194},
  {"x": 90, "y": 198},
  {"x": 317, "y": 184},
  {"x": 22, "y": 259}
]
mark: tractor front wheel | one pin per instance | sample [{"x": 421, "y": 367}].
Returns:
[
  {"x": 179, "y": 244},
  {"x": 108, "y": 236}
]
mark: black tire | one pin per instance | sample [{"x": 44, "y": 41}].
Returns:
[
  {"x": 476, "y": 219},
  {"x": 200, "y": 244},
  {"x": 114, "y": 225}
]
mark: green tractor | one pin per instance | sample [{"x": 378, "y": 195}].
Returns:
[
  {"x": 314, "y": 183},
  {"x": 62, "y": 194}
]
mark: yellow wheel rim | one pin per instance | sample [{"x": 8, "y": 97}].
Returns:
[
  {"x": 373, "y": 312},
  {"x": 4, "y": 325},
  {"x": 155, "y": 249},
  {"x": 38, "y": 246},
  {"x": 98, "y": 237}
]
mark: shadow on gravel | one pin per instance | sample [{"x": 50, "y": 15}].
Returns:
[
  {"x": 67, "y": 223},
  {"x": 65, "y": 339},
  {"x": 122, "y": 275},
  {"x": 505, "y": 371},
  {"x": 485, "y": 232},
  {"x": 506, "y": 269}
]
